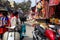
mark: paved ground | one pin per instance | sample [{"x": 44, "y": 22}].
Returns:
[{"x": 29, "y": 30}]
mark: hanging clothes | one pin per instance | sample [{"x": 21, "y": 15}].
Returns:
[
  {"x": 53, "y": 2},
  {"x": 51, "y": 11}
]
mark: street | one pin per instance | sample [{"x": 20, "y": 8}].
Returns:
[
  {"x": 29, "y": 30},
  {"x": 30, "y": 19}
]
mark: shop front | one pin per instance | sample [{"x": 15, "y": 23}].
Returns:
[
  {"x": 54, "y": 10},
  {"x": 53, "y": 4}
]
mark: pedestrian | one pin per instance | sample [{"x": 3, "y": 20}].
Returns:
[
  {"x": 12, "y": 28},
  {"x": 21, "y": 15},
  {"x": 22, "y": 31},
  {"x": 1, "y": 31},
  {"x": 23, "y": 25},
  {"x": 4, "y": 22},
  {"x": 13, "y": 18}
]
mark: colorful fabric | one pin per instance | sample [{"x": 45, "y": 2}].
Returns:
[
  {"x": 5, "y": 21},
  {"x": 1, "y": 23},
  {"x": 3, "y": 30},
  {"x": 53, "y": 2}
]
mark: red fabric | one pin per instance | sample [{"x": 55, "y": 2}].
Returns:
[
  {"x": 59, "y": 38},
  {"x": 3, "y": 30},
  {"x": 56, "y": 1},
  {"x": 17, "y": 16},
  {"x": 46, "y": 10},
  {"x": 11, "y": 15},
  {"x": 53, "y": 2},
  {"x": 52, "y": 11}
]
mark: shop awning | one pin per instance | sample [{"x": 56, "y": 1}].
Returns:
[{"x": 53, "y": 2}]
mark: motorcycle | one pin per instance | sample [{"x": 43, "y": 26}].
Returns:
[
  {"x": 52, "y": 33},
  {"x": 56, "y": 29},
  {"x": 11, "y": 34},
  {"x": 43, "y": 34}
]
